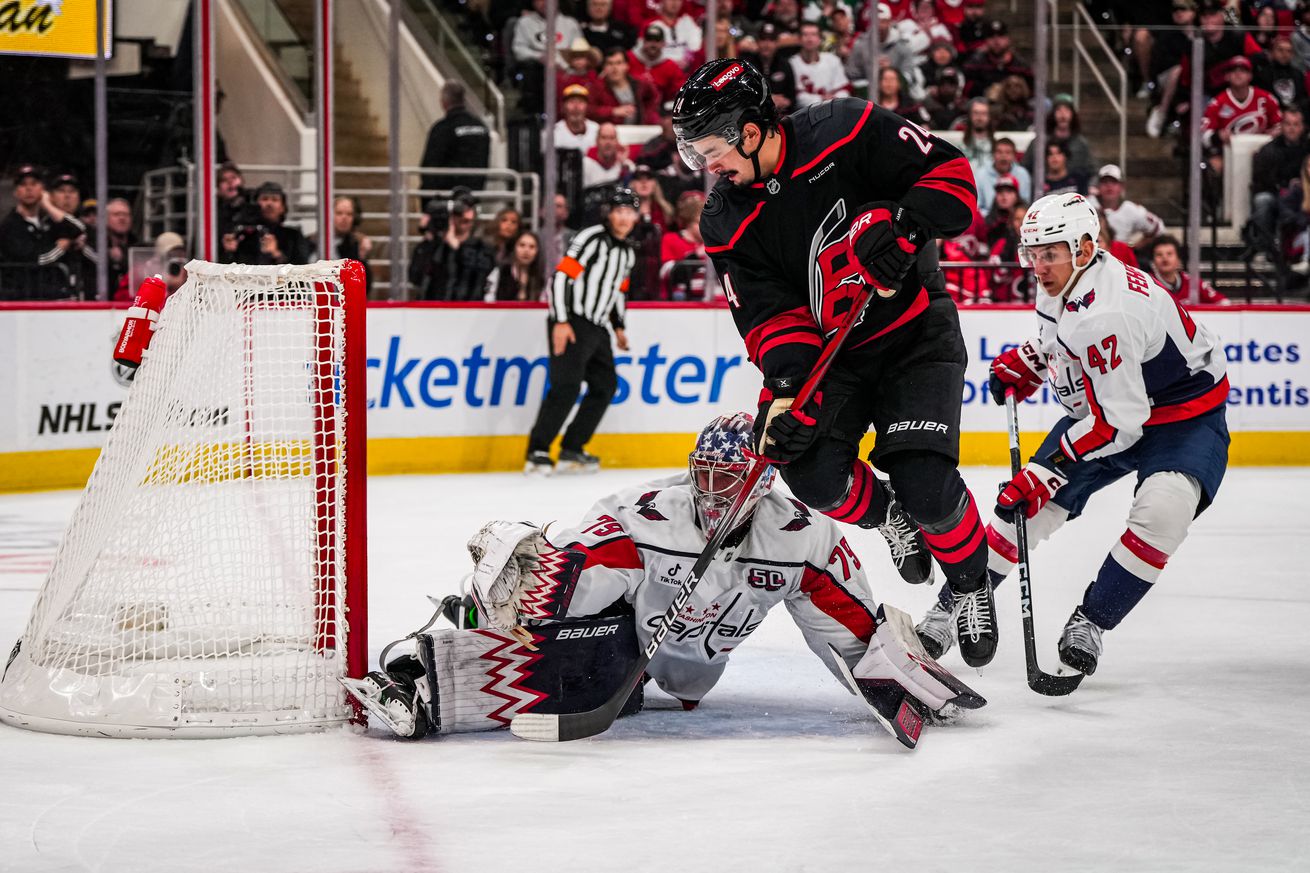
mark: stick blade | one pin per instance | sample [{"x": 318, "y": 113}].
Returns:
[
  {"x": 1054, "y": 686},
  {"x": 537, "y": 727}
]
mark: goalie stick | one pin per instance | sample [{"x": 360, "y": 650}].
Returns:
[
  {"x": 560, "y": 727},
  {"x": 1043, "y": 683}
]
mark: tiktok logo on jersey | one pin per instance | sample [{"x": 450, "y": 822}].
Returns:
[{"x": 834, "y": 276}]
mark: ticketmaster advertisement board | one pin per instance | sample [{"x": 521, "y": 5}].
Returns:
[{"x": 457, "y": 388}]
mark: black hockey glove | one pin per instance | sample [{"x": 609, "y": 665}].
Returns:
[
  {"x": 885, "y": 243},
  {"x": 782, "y": 433}
]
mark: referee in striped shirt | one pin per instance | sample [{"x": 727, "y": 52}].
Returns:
[{"x": 586, "y": 294}]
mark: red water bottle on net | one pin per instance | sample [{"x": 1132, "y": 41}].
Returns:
[{"x": 139, "y": 325}]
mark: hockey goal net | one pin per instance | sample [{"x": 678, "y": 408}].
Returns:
[{"x": 212, "y": 578}]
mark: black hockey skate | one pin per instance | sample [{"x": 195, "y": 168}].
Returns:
[
  {"x": 538, "y": 464},
  {"x": 393, "y": 697},
  {"x": 577, "y": 462},
  {"x": 905, "y": 540},
  {"x": 975, "y": 623},
  {"x": 1080, "y": 644}
]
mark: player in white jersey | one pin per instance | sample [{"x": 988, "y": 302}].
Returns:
[
  {"x": 1144, "y": 388},
  {"x": 561, "y": 617}
]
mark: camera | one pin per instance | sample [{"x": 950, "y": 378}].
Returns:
[{"x": 439, "y": 211}]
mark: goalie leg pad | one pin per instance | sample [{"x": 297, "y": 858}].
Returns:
[
  {"x": 900, "y": 684},
  {"x": 483, "y": 678}
]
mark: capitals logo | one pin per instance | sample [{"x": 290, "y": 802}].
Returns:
[
  {"x": 646, "y": 510},
  {"x": 1084, "y": 302},
  {"x": 801, "y": 519}
]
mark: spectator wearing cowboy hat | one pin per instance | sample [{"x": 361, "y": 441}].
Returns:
[{"x": 583, "y": 61}]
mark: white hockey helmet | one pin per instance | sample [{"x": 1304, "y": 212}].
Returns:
[
  {"x": 1057, "y": 218},
  {"x": 718, "y": 468}
]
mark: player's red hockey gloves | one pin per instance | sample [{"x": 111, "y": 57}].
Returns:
[
  {"x": 885, "y": 243},
  {"x": 787, "y": 433},
  {"x": 1022, "y": 368},
  {"x": 1034, "y": 486}
]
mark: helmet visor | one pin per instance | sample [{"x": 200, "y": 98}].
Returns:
[
  {"x": 1046, "y": 255},
  {"x": 698, "y": 153}
]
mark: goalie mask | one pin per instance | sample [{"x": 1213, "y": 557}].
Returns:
[{"x": 718, "y": 468}]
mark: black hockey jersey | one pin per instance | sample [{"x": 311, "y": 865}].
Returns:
[{"x": 779, "y": 245}]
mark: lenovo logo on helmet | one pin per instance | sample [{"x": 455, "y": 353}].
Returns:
[{"x": 726, "y": 76}]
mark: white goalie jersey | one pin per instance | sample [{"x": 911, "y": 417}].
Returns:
[
  {"x": 1123, "y": 355},
  {"x": 639, "y": 545}
]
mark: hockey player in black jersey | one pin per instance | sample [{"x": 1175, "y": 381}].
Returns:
[{"x": 806, "y": 210}]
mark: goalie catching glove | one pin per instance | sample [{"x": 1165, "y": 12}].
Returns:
[
  {"x": 519, "y": 576},
  {"x": 783, "y": 434}
]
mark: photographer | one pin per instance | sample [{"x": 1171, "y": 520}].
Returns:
[
  {"x": 451, "y": 263},
  {"x": 269, "y": 241}
]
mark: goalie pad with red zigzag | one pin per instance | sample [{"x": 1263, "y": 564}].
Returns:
[{"x": 482, "y": 678}]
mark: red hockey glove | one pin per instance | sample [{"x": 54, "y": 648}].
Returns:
[
  {"x": 1022, "y": 368},
  {"x": 1034, "y": 487},
  {"x": 884, "y": 243},
  {"x": 783, "y": 434}
]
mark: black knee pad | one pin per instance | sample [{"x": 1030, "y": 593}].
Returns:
[
  {"x": 928, "y": 485},
  {"x": 818, "y": 486}
]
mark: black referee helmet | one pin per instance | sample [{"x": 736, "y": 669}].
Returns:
[{"x": 621, "y": 196}]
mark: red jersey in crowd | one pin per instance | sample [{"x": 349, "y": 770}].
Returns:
[
  {"x": 1181, "y": 289},
  {"x": 1258, "y": 113},
  {"x": 667, "y": 76}
]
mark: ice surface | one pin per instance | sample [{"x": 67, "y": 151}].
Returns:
[{"x": 1189, "y": 750}]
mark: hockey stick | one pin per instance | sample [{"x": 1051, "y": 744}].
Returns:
[
  {"x": 1042, "y": 683},
  {"x": 579, "y": 725}
]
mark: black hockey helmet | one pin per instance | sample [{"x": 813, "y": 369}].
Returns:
[
  {"x": 622, "y": 196},
  {"x": 719, "y": 99}
]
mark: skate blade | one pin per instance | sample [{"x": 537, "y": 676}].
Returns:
[
  {"x": 573, "y": 468},
  {"x": 362, "y": 692},
  {"x": 912, "y": 719}
]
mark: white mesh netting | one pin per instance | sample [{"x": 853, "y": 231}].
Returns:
[{"x": 200, "y": 586}]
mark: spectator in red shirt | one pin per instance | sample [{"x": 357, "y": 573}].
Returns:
[
  {"x": 583, "y": 60},
  {"x": 1167, "y": 268},
  {"x": 648, "y": 60},
  {"x": 621, "y": 97},
  {"x": 679, "y": 279},
  {"x": 1241, "y": 108}
]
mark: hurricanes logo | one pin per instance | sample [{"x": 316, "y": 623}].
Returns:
[{"x": 834, "y": 276}]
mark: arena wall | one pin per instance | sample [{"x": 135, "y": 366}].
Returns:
[{"x": 454, "y": 388}]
